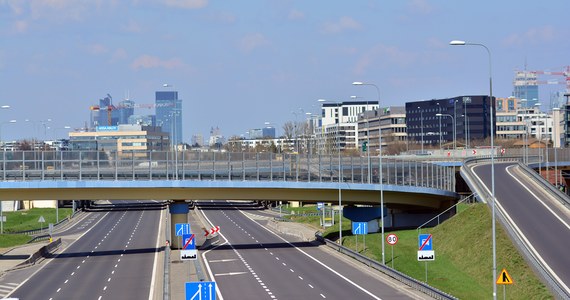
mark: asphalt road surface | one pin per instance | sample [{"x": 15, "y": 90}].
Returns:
[
  {"x": 112, "y": 259},
  {"x": 543, "y": 223},
  {"x": 256, "y": 263}
]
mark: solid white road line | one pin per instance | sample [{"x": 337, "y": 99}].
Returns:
[
  {"x": 153, "y": 278},
  {"x": 316, "y": 260}
]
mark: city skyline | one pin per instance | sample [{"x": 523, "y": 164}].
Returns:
[{"x": 237, "y": 66}]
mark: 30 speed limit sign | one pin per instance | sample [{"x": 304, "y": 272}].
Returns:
[{"x": 392, "y": 239}]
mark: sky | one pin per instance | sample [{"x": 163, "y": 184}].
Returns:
[{"x": 240, "y": 64}]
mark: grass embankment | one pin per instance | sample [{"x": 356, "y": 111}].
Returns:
[
  {"x": 463, "y": 263},
  {"x": 23, "y": 220}
]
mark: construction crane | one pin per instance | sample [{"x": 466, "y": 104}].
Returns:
[
  {"x": 111, "y": 108},
  {"x": 565, "y": 74}
]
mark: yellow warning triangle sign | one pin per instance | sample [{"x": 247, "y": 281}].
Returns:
[{"x": 504, "y": 278}]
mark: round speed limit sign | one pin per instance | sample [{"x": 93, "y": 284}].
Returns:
[{"x": 392, "y": 239}]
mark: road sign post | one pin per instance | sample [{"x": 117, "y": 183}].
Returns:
[
  {"x": 41, "y": 220},
  {"x": 425, "y": 251},
  {"x": 504, "y": 279},
  {"x": 392, "y": 239}
]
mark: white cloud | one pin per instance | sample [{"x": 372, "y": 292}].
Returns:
[
  {"x": 132, "y": 26},
  {"x": 384, "y": 55},
  {"x": 252, "y": 41},
  {"x": 296, "y": 15},
  {"x": 119, "y": 54},
  {"x": 97, "y": 49},
  {"x": 191, "y": 4},
  {"x": 343, "y": 24},
  {"x": 420, "y": 6},
  {"x": 533, "y": 36},
  {"x": 21, "y": 26},
  {"x": 146, "y": 61}
]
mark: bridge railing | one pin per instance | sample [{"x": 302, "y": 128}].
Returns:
[{"x": 191, "y": 165}]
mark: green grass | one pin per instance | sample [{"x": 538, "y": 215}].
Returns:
[
  {"x": 463, "y": 265},
  {"x": 23, "y": 220}
]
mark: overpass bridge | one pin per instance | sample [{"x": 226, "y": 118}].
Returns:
[{"x": 408, "y": 186}]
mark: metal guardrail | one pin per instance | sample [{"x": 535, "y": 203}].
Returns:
[
  {"x": 403, "y": 278},
  {"x": 240, "y": 166}
]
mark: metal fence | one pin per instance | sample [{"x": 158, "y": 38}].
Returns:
[{"x": 191, "y": 165}]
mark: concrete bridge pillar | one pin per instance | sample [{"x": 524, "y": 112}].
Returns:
[{"x": 178, "y": 214}]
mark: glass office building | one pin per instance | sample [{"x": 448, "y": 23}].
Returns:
[{"x": 169, "y": 114}]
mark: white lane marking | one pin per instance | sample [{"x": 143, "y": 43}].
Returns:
[
  {"x": 230, "y": 274},
  {"x": 58, "y": 290},
  {"x": 223, "y": 260},
  {"x": 311, "y": 286},
  {"x": 520, "y": 233},
  {"x": 315, "y": 260},
  {"x": 323, "y": 296},
  {"x": 300, "y": 277},
  {"x": 538, "y": 199}
]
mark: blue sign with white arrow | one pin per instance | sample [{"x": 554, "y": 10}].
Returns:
[
  {"x": 359, "y": 227},
  {"x": 181, "y": 229},
  {"x": 201, "y": 290}
]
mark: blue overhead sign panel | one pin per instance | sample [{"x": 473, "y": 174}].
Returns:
[
  {"x": 201, "y": 290},
  {"x": 181, "y": 229},
  {"x": 359, "y": 227}
]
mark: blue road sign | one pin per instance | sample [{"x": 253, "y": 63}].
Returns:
[
  {"x": 201, "y": 290},
  {"x": 181, "y": 229},
  {"x": 320, "y": 205},
  {"x": 425, "y": 242},
  {"x": 359, "y": 227},
  {"x": 188, "y": 241}
]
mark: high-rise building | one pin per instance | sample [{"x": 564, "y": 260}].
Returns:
[
  {"x": 126, "y": 109},
  {"x": 525, "y": 87},
  {"x": 169, "y": 114}
]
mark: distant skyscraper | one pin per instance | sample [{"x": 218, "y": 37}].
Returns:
[
  {"x": 126, "y": 109},
  {"x": 107, "y": 114},
  {"x": 525, "y": 86},
  {"x": 169, "y": 114},
  {"x": 198, "y": 140}
]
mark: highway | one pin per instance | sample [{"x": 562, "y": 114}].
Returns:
[
  {"x": 253, "y": 262},
  {"x": 542, "y": 222},
  {"x": 110, "y": 255}
]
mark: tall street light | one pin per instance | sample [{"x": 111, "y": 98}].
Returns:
[
  {"x": 422, "y": 126},
  {"x": 452, "y": 122},
  {"x": 3, "y": 146},
  {"x": 463, "y": 43},
  {"x": 367, "y": 138},
  {"x": 339, "y": 170},
  {"x": 379, "y": 165}
]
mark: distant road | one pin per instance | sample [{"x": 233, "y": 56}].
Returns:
[
  {"x": 541, "y": 220},
  {"x": 112, "y": 260},
  {"x": 257, "y": 264}
]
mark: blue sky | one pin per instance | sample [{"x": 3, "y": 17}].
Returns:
[{"x": 238, "y": 64}]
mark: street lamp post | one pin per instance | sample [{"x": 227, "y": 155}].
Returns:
[
  {"x": 380, "y": 179},
  {"x": 452, "y": 121},
  {"x": 422, "y": 127},
  {"x": 439, "y": 111},
  {"x": 367, "y": 140},
  {"x": 339, "y": 170},
  {"x": 463, "y": 43},
  {"x": 4, "y": 157}
]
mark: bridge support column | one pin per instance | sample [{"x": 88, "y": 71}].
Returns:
[{"x": 178, "y": 214}]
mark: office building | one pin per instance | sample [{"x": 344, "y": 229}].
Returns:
[
  {"x": 470, "y": 116},
  {"x": 169, "y": 114},
  {"x": 525, "y": 87},
  {"x": 125, "y": 110},
  {"x": 121, "y": 138}
]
